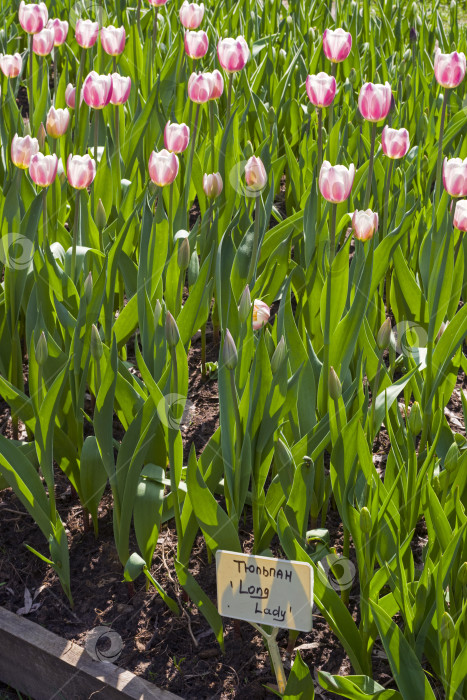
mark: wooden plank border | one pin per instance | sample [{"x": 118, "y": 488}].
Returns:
[{"x": 45, "y": 666}]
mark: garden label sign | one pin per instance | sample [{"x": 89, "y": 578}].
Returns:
[{"x": 265, "y": 590}]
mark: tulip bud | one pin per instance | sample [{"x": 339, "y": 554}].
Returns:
[
  {"x": 450, "y": 460},
  {"x": 447, "y": 628},
  {"x": 229, "y": 351},
  {"x": 88, "y": 287},
  {"x": 462, "y": 574},
  {"x": 183, "y": 256},
  {"x": 408, "y": 82},
  {"x": 365, "y": 520},
  {"x": 101, "y": 216},
  {"x": 352, "y": 76},
  {"x": 290, "y": 20},
  {"x": 244, "y": 307},
  {"x": 157, "y": 312},
  {"x": 42, "y": 352},
  {"x": 442, "y": 328},
  {"x": 384, "y": 335},
  {"x": 312, "y": 34},
  {"x": 97, "y": 349},
  {"x": 193, "y": 269},
  {"x": 407, "y": 55},
  {"x": 282, "y": 56},
  {"x": 334, "y": 384},
  {"x": 171, "y": 330},
  {"x": 278, "y": 355},
  {"x": 41, "y": 135},
  {"x": 415, "y": 419},
  {"x": 413, "y": 35},
  {"x": 436, "y": 484},
  {"x": 271, "y": 116}
]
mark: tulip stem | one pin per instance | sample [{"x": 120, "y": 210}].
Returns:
[
  {"x": 44, "y": 216},
  {"x": 55, "y": 69},
  {"x": 96, "y": 141},
  {"x": 31, "y": 96},
  {"x": 154, "y": 33},
  {"x": 440, "y": 153},
  {"x": 238, "y": 444},
  {"x": 331, "y": 106},
  {"x": 366, "y": 201},
  {"x": 78, "y": 94},
  {"x": 171, "y": 223},
  {"x": 458, "y": 245},
  {"x": 190, "y": 163},
  {"x": 386, "y": 197},
  {"x": 211, "y": 126},
  {"x": 75, "y": 235},
  {"x": 327, "y": 320},
  {"x": 138, "y": 18},
  {"x": 254, "y": 253},
  {"x": 320, "y": 153},
  {"x": 229, "y": 98}
]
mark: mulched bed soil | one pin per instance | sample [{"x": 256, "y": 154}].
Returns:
[{"x": 178, "y": 654}]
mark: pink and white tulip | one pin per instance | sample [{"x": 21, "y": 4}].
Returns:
[
  {"x": 217, "y": 84},
  {"x": 255, "y": 174},
  {"x": 11, "y": 65},
  {"x": 121, "y": 88},
  {"x": 57, "y": 122},
  {"x": 455, "y": 177},
  {"x": 113, "y": 40},
  {"x": 60, "y": 30},
  {"x": 163, "y": 167},
  {"x": 86, "y": 33},
  {"x": 233, "y": 54},
  {"x": 97, "y": 90},
  {"x": 22, "y": 150},
  {"x": 335, "y": 181},
  {"x": 321, "y": 89},
  {"x": 196, "y": 44},
  {"x": 212, "y": 185},
  {"x": 374, "y": 101},
  {"x": 191, "y": 14},
  {"x": 43, "y": 169},
  {"x": 43, "y": 42},
  {"x": 364, "y": 224},
  {"x": 176, "y": 137},
  {"x": 337, "y": 44},
  {"x": 395, "y": 142},
  {"x": 157, "y": 3},
  {"x": 70, "y": 96},
  {"x": 449, "y": 68},
  {"x": 261, "y": 314},
  {"x": 80, "y": 171},
  {"x": 460, "y": 215},
  {"x": 200, "y": 87},
  {"x": 32, "y": 17}
]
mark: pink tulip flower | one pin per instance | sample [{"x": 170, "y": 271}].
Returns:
[
  {"x": 97, "y": 90},
  {"x": 218, "y": 84},
  {"x": 449, "y": 68},
  {"x": 11, "y": 65},
  {"x": 455, "y": 177},
  {"x": 374, "y": 101},
  {"x": 121, "y": 88},
  {"x": 233, "y": 54},
  {"x": 321, "y": 89},
  {"x": 70, "y": 96},
  {"x": 337, "y": 44},
  {"x": 157, "y": 3},
  {"x": 43, "y": 169},
  {"x": 57, "y": 122},
  {"x": 191, "y": 14},
  {"x": 22, "y": 150},
  {"x": 176, "y": 137},
  {"x": 364, "y": 224},
  {"x": 261, "y": 314},
  {"x": 212, "y": 185},
  {"x": 32, "y": 17},
  {"x": 460, "y": 215},
  {"x": 113, "y": 40},
  {"x": 335, "y": 181},
  {"x": 395, "y": 142},
  {"x": 196, "y": 44},
  {"x": 200, "y": 87},
  {"x": 86, "y": 33},
  {"x": 80, "y": 171},
  {"x": 255, "y": 174},
  {"x": 60, "y": 30},
  {"x": 43, "y": 42},
  {"x": 163, "y": 167}
]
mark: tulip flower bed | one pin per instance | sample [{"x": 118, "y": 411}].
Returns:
[{"x": 233, "y": 316}]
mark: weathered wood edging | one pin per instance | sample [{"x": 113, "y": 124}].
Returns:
[{"x": 45, "y": 666}]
